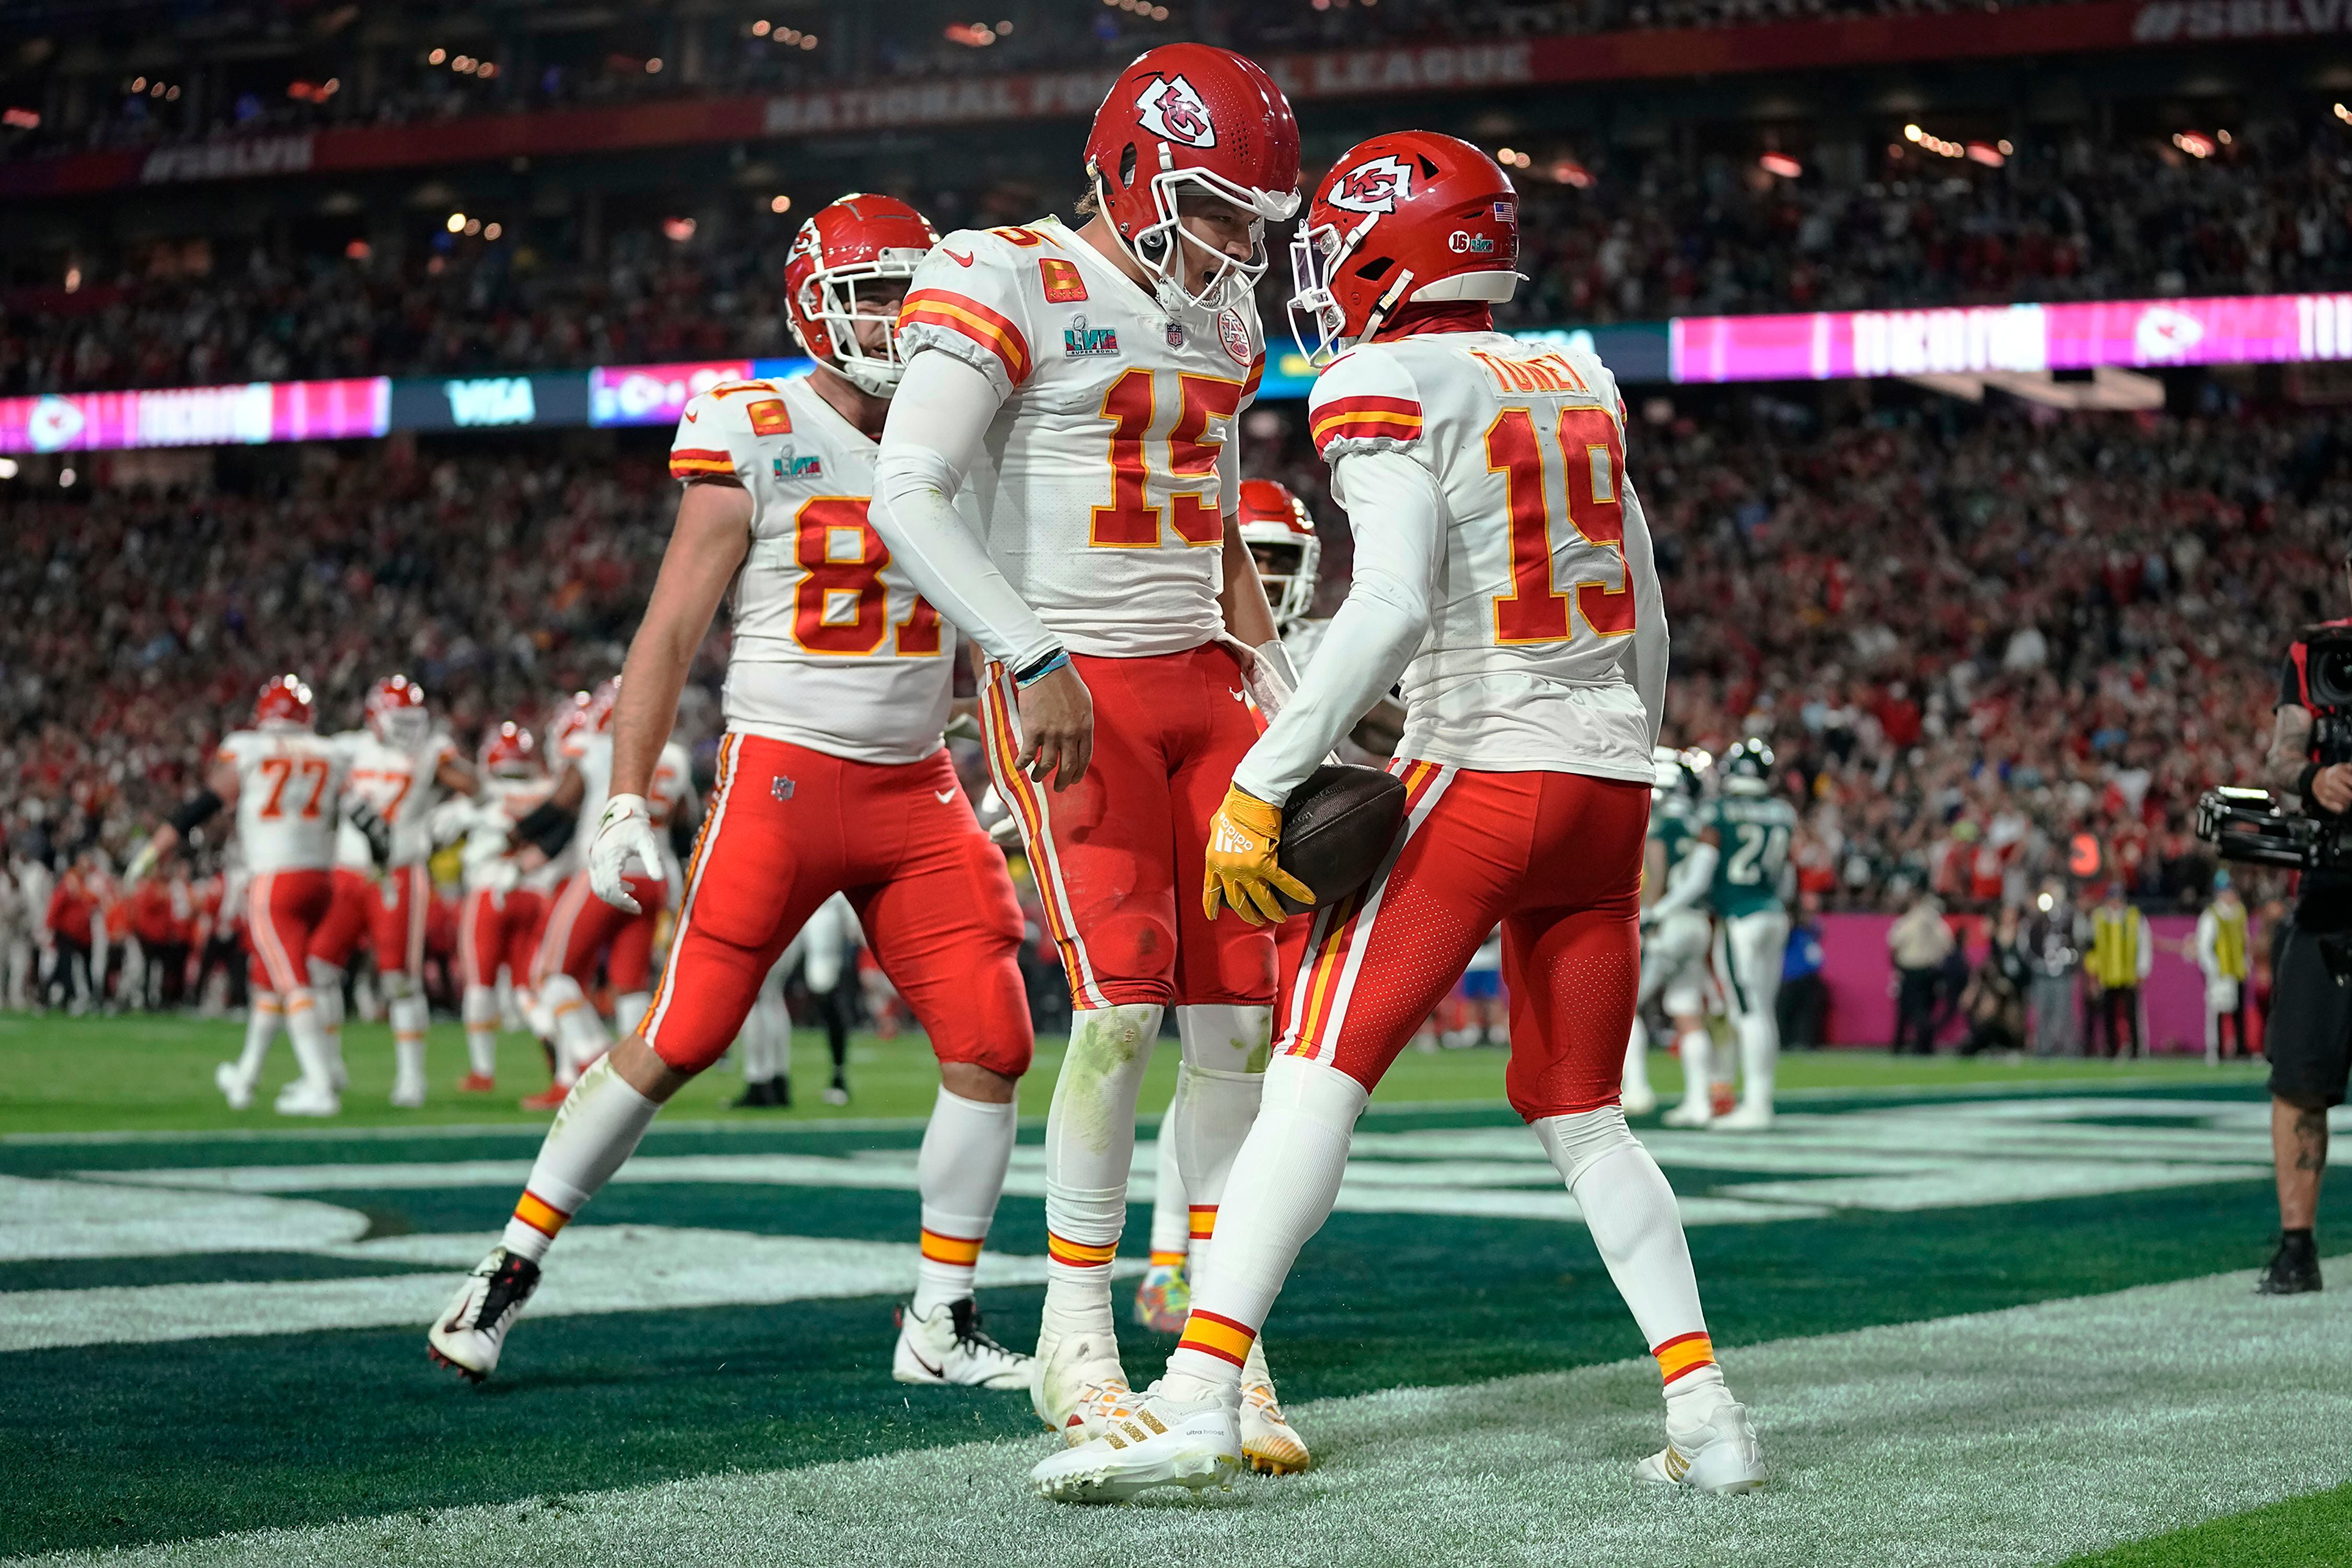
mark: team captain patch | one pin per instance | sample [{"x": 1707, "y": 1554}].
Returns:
[
  {"x": 770, "y": 417},
  {"x": 1064, "y": 285}
]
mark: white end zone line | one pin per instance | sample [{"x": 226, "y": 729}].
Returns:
[{"x": 1993, "y": 1440}]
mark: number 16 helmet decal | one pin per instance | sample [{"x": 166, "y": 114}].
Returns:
[
  {"x": 1405, "y": 218},
  {"x": 1191, "y": 118}
]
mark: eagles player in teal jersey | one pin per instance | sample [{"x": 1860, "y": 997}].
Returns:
[
  {"x": 1750, "y": 828},
  {"x": 1673, "y": 938}
]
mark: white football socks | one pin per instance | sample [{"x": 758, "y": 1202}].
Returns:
[
  {"x": 765, "y": 1041},
  {"x": 480, "y": 1011},
  {"x": 1089, "y": 1143},
  {"x": 411, "y": 1016},
  {"x": 304, "y": 1028},
  {"x": 1630, "y": 1210},
  {"x": 1634, "y": 1084},
  {"x": 580, "y": 1037},
  {"x": 961, "y": 1175},
  {"x": 1172, "y": 1222},
  {"x": 1283, "y": 1183},
  {"x": 1760, "y": 1058},
  {"x": 1226, "y": 1052},
  {"x": 263, "y": 1019},
  {"x": 629, "y": 1010},
  {"x": 595, "y": 1130},
  {"x": 327, "y": 989},
  {"x": 1695, "y": 1046}
]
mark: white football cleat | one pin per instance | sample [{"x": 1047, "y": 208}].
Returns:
[
  {"x": 233, "y": 1087},
  {"x": 1080, "y": 1382},
  {"x": 467, "y": 1335},
  {"x": 1720, "y": 1457},
  {"x": 1153, "y": 1443},
  {"x": 1744, "y": 1118},
  {"x": 304, "y": 1097},
  {"x": 1269, "y": 1441},
  {"x": 950, "y": 1347},
  {"x": 408, "y": 1094},
  {"x": 1690, "y": 1113}
]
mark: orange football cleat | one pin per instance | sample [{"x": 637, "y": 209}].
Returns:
[
  {"x": 548, "y": 1099},
  {"x": 476, "y": 1083}
]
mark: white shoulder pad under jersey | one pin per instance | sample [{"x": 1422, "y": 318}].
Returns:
[
  {"x": 289, "y": 788},
  {"x": 833, "y": 648},
  {"x": 1533, "y": 610},
  {"x": 1099, "y": 495}
]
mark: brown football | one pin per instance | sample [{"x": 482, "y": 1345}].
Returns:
[{"x": 1338, "y": 827}]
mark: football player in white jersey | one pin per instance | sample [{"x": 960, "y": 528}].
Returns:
[
  {"x": 286, "y": 784},
  {"x": 833, "y": 777},
  {"x": 1503, "y": 569},
  {"x": 1676, "y": 869},
  {"x": 403, "y": 766},
  {"x": 1086, "y": 385},
  {"x": 579, "y": 928},
  {"x": 500, "y": 925}
]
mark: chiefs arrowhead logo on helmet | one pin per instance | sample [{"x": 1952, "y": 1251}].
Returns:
[
  {"x": 1169, "y": 107},
  {"x": 1373, "y": 187}
]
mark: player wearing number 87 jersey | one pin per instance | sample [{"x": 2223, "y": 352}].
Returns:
[
  {"x": 833, "y": 777},
  {"x": 1086, "y": 384},
  {"x": 1503, "y": 569}
]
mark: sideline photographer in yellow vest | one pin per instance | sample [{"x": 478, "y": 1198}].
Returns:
[
  {"x": 2224, "y": 950},
  {"x": 2116, "y": 960}
]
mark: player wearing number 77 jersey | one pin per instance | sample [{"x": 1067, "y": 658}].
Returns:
[
  {"x": 1503, "y": 569},
  {"x": 1086, "y": 385},
  {"x": 833, "y": 777}
]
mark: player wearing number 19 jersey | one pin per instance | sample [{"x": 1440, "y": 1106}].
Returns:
[
  {"x": 833, "y": 777},
  {"x": 1504, "y": 571},
  {"x": 1086, "y": 385}
]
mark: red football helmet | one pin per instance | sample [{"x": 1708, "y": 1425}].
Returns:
[
  {"x": 285, "y": 701},
  {"x": 1191, "y": 114},
  {"x": 1280, "y": 536},
  {"x": 1405, "y": 217},
  {"x": 875, "y": 240},
  {"x": 395, "y": 710},
  {"x": 601, "y": 705},
  {"x": 568, "y": 727},
  {"x": 509, "y": 752}
]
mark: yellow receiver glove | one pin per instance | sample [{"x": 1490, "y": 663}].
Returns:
[{"x": 1241, "y": 872}]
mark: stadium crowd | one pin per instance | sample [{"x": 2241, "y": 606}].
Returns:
[{"x": 1651, "y": 234}]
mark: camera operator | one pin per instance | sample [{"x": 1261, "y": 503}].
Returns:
[{"x": 2310, "y": 1036}]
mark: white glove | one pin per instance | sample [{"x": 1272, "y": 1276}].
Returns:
[
  {"x": 453, "y": 818},
  {"x": 624, "y": 833}
]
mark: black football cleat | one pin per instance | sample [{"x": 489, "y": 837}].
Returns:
[{"x": 2293, "y": 1267}]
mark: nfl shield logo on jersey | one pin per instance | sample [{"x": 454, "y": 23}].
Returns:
[
  {"x": 1175, "y": 334},
  {"x": 780, "y": 787}
]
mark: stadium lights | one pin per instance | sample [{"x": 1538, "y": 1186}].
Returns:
[
  {"x": 66, "y": 477},
  {"x": 2008, "y": 151},
  {"x": 1005, "y": 29},
  {"x": 457, "y": 223},
  {"x": 2343, "y": 114},
  {"x": 1781, "y": 163},
  {"x": 808, "y": 41},
  {"x": 492, "y": 231},
  {"x": 20, "y": 118},
  {"x": 473, "y": 226},
  {"x": 1932, "y": 143},
  {"x": 1511, "y": 158},
  {"x": 780, "y": 205},
  {"x": 972, "y": 36},
  {"x": 678, "y": 229},
  {"x": 359, "y": 250},
  {"x": 1992, "y": 157},
  {"x": 8, "y": 468},
  {"x": 437, "y": 57},
  {"x": 762, "y": 29},
  {"x": 653, "y": 65},
  {"x": 2196, "y": 143},
  {"x": 2223, "y": 137},
  {"x": 73, "y": 279}
]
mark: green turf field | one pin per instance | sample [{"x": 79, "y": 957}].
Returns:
[{"x": 1985, "y": 1313}]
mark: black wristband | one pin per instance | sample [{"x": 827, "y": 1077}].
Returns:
[
  {"x": 2303, "y": 786},
  {"x": 199, "y": 809},
  {"x": 542, "y": 822},
  {"x": 1037, "y": 666}
]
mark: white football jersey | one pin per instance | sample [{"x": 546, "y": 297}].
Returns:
[
  {"x": 290, "y": 790},
  {"x": 1106, "y": 474},
  {"x": 833, "y": 648},
  {"x": 403, "y": 786},
  {"x": 1522, "y": 668},
  {"x": 671, "y": 790},
  {"x": 502, "y": 804}
]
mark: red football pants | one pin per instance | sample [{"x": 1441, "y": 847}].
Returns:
[
  {"x": 1120, "y": 856},
  {"x": 338, "y": 937},
  {"x": 283, "y": 912},
  {"x": 580, "y": 925},
  {"x": 497, "y": 928},
  {"x": 400, "y": 902},
  {"x": 1556, "y": 860},
  {"x": 789, "y": 827}
]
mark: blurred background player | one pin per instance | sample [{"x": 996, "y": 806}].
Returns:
[
  {"x": 832, "y": 778},
  {"x": 1526, "y": 623},
  {"x": 829, "y": 944},
  {"x": 1748, "y": 828},
  {"x": 581, "y": 928},
  {"x": 2223, "y": 947},
  {"x": 285, "y": 782},
  {"x": 403, "y": 766},
  {"x": 499, "y": 924},
  {"x": 1677, "y": 869},
  {"x": 1105, "y": 580}
]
